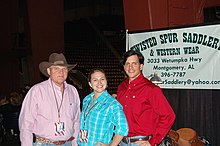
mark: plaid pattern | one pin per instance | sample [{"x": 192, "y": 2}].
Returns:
[{"x": 105, "y": 118}]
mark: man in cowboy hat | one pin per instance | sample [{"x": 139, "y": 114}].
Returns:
[{"x": 50, "y": 110}]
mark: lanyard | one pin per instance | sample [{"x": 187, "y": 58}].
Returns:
[
  {"x": 58, "y": 106},
  {"x": 87, "y": 112}
]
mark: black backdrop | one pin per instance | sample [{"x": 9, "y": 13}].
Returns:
[{"x": 197, "y": 109}]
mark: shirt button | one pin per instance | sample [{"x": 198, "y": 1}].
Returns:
[
  {"x": 125, "y": 105},
  {"x": 126, "y": 96},
  {"x": 133, "y": 96},
  {"x": 129, "y": 88}
]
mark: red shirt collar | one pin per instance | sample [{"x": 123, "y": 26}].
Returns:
[{"x": 137, "y": 79}]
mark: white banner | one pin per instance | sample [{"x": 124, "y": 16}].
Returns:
[{"x": 185, "y": 58}]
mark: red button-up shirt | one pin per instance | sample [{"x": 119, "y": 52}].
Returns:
[{"x": 146, "y": 108}]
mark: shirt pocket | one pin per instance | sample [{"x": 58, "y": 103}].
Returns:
[
  {"x": 45, "y": 113},
  {"x": 102, "y": 110},
  {"x": 71, "y": 110},
  {"x": 139, "y": 104}
]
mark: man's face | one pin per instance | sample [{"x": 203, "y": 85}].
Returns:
[
  {"x": 58, "y": 74},
  {"x": 133, "y": 67}
]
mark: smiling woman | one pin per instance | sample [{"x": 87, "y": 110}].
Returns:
[
  {"x": 98, "y": 82},
  {"x": 102, "y": 120}
]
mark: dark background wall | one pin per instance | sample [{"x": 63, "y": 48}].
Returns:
[
  {"x": 30, "y": 31},
  {"x": 154, "y": 14},
  {"x": 46, "y": 31}
]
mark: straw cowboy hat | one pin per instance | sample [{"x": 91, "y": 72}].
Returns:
[{"x": 57, "y": 60}]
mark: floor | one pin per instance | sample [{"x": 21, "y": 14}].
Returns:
[
  {"x": 10, "y": 142},
  {"x": 14, "y": 143}
]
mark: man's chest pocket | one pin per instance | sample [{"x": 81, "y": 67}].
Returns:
[{"x": 71, "y": 110}]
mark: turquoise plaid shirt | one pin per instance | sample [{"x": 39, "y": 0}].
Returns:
[{"x": 103, "y": 120}]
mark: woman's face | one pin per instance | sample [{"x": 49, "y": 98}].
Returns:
[{"x": 98, "y": 82}]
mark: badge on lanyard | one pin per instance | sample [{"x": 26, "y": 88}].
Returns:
[
  {"x": 59, "y": 129},
  {"x": 83, "y": 135}
]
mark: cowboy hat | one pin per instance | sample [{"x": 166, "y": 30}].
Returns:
[{"x": 57, "y": 60}]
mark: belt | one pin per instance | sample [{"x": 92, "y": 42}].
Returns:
[
  {"x": 47, "y": 141},
  {"x": 134, "y": 139}
]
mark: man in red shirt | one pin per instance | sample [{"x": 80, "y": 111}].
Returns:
[{"x": 147, "y": 110}]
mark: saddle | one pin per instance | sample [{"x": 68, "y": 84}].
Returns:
[{"x": 185, "y": 137}]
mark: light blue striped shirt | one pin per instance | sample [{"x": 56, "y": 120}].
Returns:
[{"x": 104, "y": 119}]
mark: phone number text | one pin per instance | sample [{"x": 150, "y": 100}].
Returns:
[{"x": 173, "y": 74}]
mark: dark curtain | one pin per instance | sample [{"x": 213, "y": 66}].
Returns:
[{"x": 197, "y": 109}]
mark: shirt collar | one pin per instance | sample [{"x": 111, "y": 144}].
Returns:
[
  {"x": 136, "y": 80},
  {"x": 55, "y": 86},
  {"x": 101, "y": 97}
]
